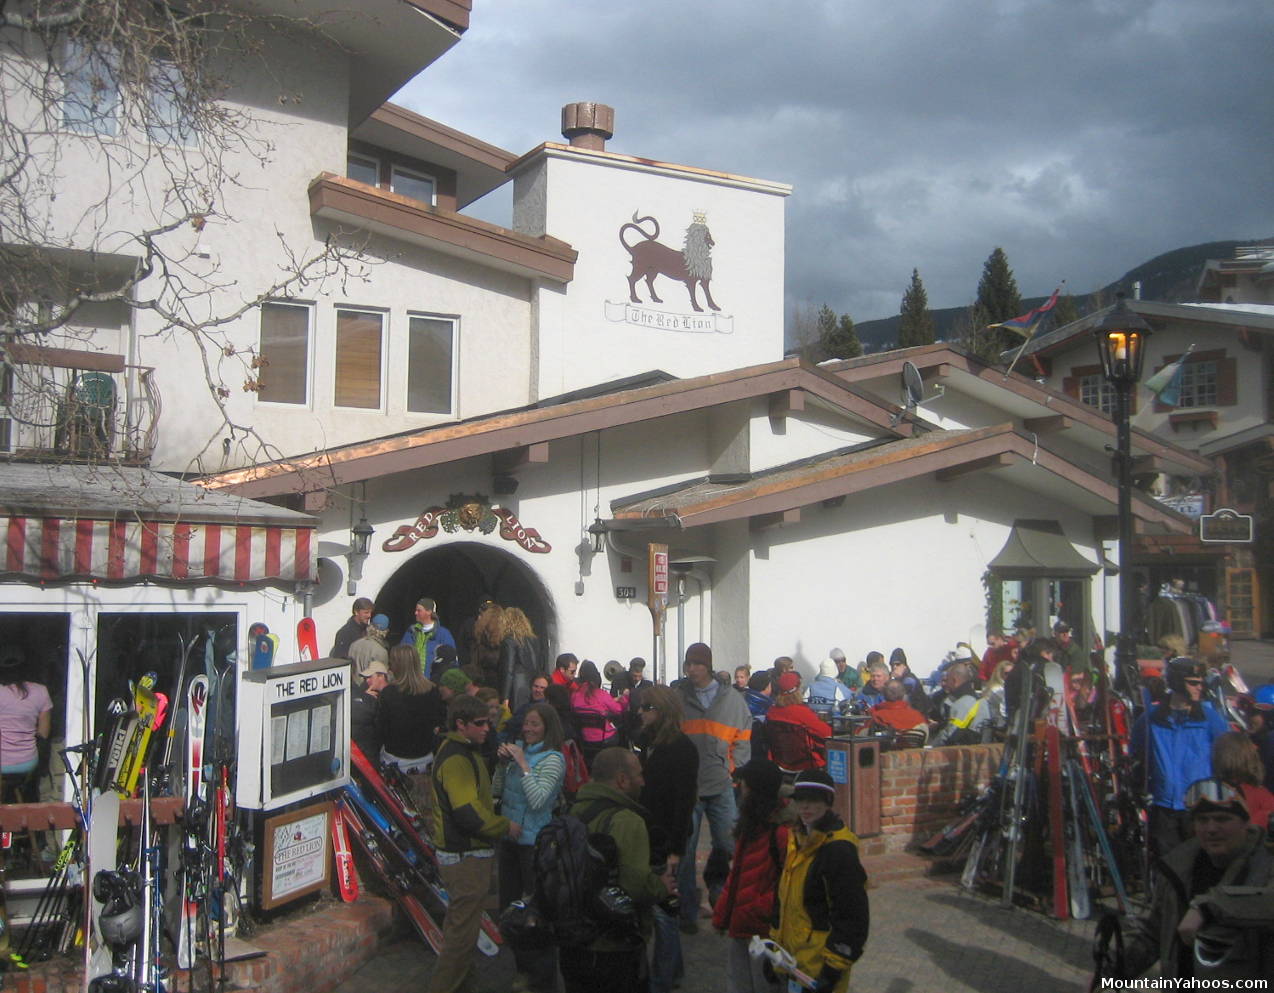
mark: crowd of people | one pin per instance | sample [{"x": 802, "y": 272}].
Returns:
[{"x": 499, "y": 742}]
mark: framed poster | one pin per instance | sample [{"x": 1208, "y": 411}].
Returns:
[{"x": 298, "y": 854}]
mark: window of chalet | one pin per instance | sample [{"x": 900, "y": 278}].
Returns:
[
  {"x": 358, "y": 358},
  {"x": 1208, "y": 379},
  {"x": 90, "y": 98},
  {"x": 1087, "y": 384},
  {"x": 362, "y": 168},
  {"x": 1096, "y": 392},
  {"x": 285, "y": 353},
  {"x": 168, "y": 122},
  {"x": 416, "y": 185},
  {"x": 431, "y": 364}
]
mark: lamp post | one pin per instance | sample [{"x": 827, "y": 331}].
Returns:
[
  {"x": 360, "y": 546},
  {"x": 1121, "y": 342}
]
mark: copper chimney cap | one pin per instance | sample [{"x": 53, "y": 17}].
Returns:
[{"x": 587, "y": 124}]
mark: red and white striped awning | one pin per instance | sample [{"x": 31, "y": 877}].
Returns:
[{"x": 123, "y": 551}]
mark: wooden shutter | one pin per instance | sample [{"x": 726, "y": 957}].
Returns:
[{"x": 358, "y": 346}]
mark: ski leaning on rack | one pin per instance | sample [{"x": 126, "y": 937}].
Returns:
[
  {"x": 346, "y": 876},
  {"x": 420, "y": 918}
]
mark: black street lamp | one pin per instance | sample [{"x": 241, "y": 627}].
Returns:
[{"x": 1121, "y": 342}]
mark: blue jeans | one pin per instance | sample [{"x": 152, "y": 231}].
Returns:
[
  {"x": 666, "y": 965},
  {"x": 721, "y": 817}
]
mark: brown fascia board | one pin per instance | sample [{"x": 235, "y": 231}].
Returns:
[
  {"x": 339, "y": 199},
  {"x": 425, "y": 129},
  {"x": 823, "y": 482},
  {"x": 498, "y": 432},
  {"x": 937, "y": 355}
]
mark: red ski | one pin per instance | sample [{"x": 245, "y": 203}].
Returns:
[
  {"x": 421, "y": 920},
  {"x": 307, "y": 639},
  {"x": 397, "y": 806},
  {"x": 346, "y": 876}
]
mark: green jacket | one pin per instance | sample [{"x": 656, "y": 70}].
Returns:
[
  {"x": 464, "y": 816},
  {"x": 627, "y": 826}
]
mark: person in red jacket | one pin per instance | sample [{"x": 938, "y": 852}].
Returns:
[
  {"x": 789, "y": 709},
  {"x": 746, "y": 905}
]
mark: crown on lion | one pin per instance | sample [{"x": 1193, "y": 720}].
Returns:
[{"x": 699, "y": 216}]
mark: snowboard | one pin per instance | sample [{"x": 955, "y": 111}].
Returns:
[{"x": 307, "y": 639}]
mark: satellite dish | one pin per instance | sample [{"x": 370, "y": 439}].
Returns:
[{"x": 913, "y": 387}]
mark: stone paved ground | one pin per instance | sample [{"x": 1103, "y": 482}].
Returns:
[{"x": 927, "y": 936}]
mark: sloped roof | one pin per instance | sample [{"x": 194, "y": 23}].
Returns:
[
  {"x": 936, "y": 454},
  {"x": 1236, "y": 317},
  {"x": 517, "y": 428},
  {"x": 946, "y": 363}
]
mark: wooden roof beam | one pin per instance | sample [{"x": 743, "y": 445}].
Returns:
[
  {"x": 510, "y": 460},
  {"x": 783, "y": 403},
  {"x": 996, "y": 461},
  {"x": 764, "y": 522},
  {"x": 1048, "y": 425}
]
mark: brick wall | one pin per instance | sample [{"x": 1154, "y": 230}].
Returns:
[{"x": 921, "y": 789}]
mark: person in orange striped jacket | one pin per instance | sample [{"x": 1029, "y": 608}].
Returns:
[{"x": 717, "y": 720}]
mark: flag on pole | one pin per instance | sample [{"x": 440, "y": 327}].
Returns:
[
  {"x": 1028, "y": 324},
  {"x": 1166, "y": 383}
]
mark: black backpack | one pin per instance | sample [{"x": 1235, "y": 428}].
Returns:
[{"x": 576, "y": 872}]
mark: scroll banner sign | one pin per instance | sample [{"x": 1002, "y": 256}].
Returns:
[
  {"x": 647, "y": 317},
  {"x": 657, "y": 576},
  {"x": 467, "y": 516},
  {"x": 1226, "y": 525}
]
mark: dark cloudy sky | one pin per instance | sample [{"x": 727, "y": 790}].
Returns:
[{"x": 1083, "y": 136}]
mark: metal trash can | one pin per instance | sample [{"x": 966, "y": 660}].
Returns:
[{"x": 854, "y": 765}]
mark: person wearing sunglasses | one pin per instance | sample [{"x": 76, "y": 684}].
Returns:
[
  {"x": 1173, "y": 741},
  {"x": 1212, "y": 915},
  {"x": 465, "y": 830}
]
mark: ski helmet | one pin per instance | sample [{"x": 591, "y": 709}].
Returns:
[
  {"x": 120, "y": 921},
  {"x": 1264, "y": 697},
  {"x": 120, "y": 926},
  {"x": 1180, "y": 669}
]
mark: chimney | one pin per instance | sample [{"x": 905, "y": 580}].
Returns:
[{"x": 588, "y": 124}]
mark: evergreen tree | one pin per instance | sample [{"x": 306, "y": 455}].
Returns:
[
  {"x": 997, "y": 289},
  {"x": 999, "y": 300},
  {"x": 842, "y": 341},
  {"x": 916, "y": 326}
]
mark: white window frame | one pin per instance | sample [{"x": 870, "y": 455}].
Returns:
[
  {"x": 1199, "y": 377},
  {"x": 454, "y": 321},
  {"x": 1105, "y": 393},
  {"x": 383, "y": 314},
  {"x": 366, "y": 160},
  {"x": 310, "y": 343},
  {"x": 395, "y": 170},
  {"x": 175, "y": 131}
]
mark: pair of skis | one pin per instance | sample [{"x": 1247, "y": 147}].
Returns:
[{"x": 393, "y": 831}]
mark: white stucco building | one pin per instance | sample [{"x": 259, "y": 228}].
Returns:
[{"x": 520, "y": 413}]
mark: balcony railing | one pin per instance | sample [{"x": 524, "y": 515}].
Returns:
[{"x": 66, "y": 406}]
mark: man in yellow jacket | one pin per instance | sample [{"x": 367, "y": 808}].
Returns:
[
  {"x": 466, "y": 828},
  {"x": 823, "y": 911}
]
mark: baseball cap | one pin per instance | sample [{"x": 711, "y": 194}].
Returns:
[
  {"x": 372, "y": 667},
  {"x": 380, "y": 621},
  {"x": 814, "y": 784},
  {"x": 428, "y": 604},
  {"x": 788, "y": 681},
  {"x": 1208, "y": 796}
]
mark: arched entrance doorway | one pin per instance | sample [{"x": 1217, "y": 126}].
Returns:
[{"x": 460, "y": 575}]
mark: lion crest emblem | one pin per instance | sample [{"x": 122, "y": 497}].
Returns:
[{"x": 692, "y": 266}]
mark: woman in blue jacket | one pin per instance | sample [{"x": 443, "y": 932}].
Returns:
[{"x": 528, "y": 783}]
